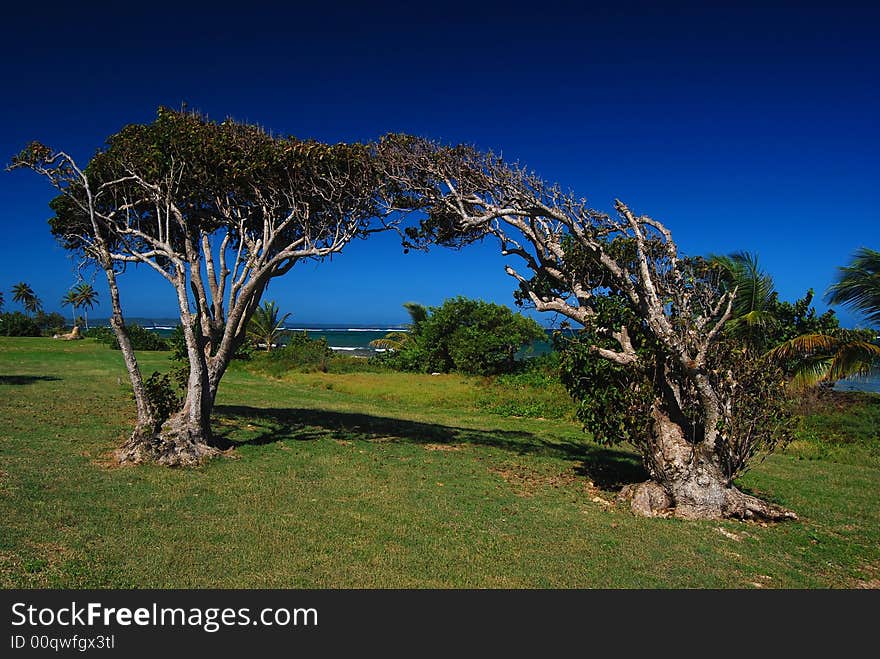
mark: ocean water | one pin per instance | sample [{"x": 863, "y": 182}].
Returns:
[{"x": 355, "y": 340}]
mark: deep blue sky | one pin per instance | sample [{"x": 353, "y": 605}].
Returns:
[{"x": 740, "y": 128}]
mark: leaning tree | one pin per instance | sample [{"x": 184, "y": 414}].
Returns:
[
  {"x": 655, "y": 368},
  {"x": 217, "y": 210}
]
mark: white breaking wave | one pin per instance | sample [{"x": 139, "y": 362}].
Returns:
[
  {"x": 328, "y": 330},
  {"x": 361, "y": 348}
]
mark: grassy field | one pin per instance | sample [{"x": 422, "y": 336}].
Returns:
[{"x": 392, "y": 480}]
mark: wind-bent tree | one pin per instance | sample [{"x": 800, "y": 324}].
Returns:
[
  {"x": 694, "y": 406},
  {"x": 24, "y": 295},
  {"x": 217, "y": 210},
  {"x": 266, "y": 327}
]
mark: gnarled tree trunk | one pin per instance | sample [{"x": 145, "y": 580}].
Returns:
[{"x": 688, "y": 480}]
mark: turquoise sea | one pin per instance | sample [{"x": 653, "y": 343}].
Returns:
[{"x": 355, "y": 340}]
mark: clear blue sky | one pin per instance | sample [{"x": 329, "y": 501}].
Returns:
[{"x": 741, "y": 127}]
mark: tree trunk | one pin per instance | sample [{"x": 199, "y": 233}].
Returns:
[
  {"x": 688, "y": 481},
  {"x": 185, "y": 438}
]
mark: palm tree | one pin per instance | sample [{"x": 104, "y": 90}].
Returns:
[
  {"x": 86, "y": 298},
  {"x": 824, "y": 357},
  {"x": 1, "y": 300},
  {"x": 24, "y": 294},
  {"x": 70, "y": 300},
  {"x": 858, "y": 284},
  {"x": 399, "y": 339},
  {"x": 265, "y": 327},
  {"x": 755, "y": 295}
]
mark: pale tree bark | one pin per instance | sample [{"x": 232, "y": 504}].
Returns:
[
  {"x": 575, "y": 255},
  {"x": 62, "y": 171},
  {"x": 242, "y": 239}
]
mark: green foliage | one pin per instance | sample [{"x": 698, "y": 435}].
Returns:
[
  {"x": 813, "y": 358},
  {"x": 24, "y": 295},
  {"x": 509, "y": 499},
  {"x": 533, "y": 391},
  {"x": 469, "y": 336},
  {"x": 100, "y": 334},
  {"x": 265, "y": 329},
  {"x": 177, "y": 345},
  {"x": 82, "y": 296},
  {"x": 858, "y": 284},
  {"x": 301, "y": 354},
  {"x": 615, "y": 401},
  {"x": 798, "y": 318},
  {"x": 18, "y": 324},
  {"x": 162, "y": 396},
  {"x": 50, "y": 323},
  {"x": 141, "y": 339}
]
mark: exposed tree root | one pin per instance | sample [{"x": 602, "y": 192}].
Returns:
[
  {"x": 650, "y": 499},
  {"x": 172, "y": 445}
]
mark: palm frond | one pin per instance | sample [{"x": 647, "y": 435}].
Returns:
[
  {"x": 810, "y": 372},
  {"x": 803, "y": 345},
  {"x": 858, "y": 284}
]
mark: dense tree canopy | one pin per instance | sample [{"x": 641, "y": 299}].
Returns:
[
  {"x": 470, "y": 336},
  {"x": 217, "y": 209}
]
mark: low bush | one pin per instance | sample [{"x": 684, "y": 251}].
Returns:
[
  {"x": 18, "y": 324},
  {"x": 141, "y": 338},
  {"x": 301, "y": 354}
]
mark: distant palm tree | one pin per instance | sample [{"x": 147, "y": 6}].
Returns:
[
  {"x": 24, "y": 294},
  {"x": 70, "y": 300},
  {"x": 858, "y": 284},
  {"x": 1, "y": 300},
  {"x": 755, "y": 295},
  {"x": 86, "y": 298},
  {"x": 399, "y": 339},
  {"x": 265, "y": 326}
]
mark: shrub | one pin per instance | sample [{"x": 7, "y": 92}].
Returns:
[
  {"x": 162, "y": 396},
  {"x": 141, "y": 339},
  {"x": 300, "y": 354},
  {"x": 51, "y": 323},
  {"x": 470, "y": 336},
  {"x": 18, "y": 324}
]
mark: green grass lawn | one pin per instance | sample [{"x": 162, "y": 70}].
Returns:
[{"x": 388, "y": 480}]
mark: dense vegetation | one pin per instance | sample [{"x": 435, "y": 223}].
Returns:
[{"x": 464, "y": 335}]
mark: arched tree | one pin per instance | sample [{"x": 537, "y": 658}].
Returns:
[
  {"x": 216, "y": 210},
  {"x": 695, "y": 407},
  {"x": 24, "y": 295}
]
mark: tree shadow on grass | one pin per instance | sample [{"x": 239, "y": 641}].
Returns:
[
  {"x": 607, "y": 468},
  {"x": 26, "y": 379}
]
